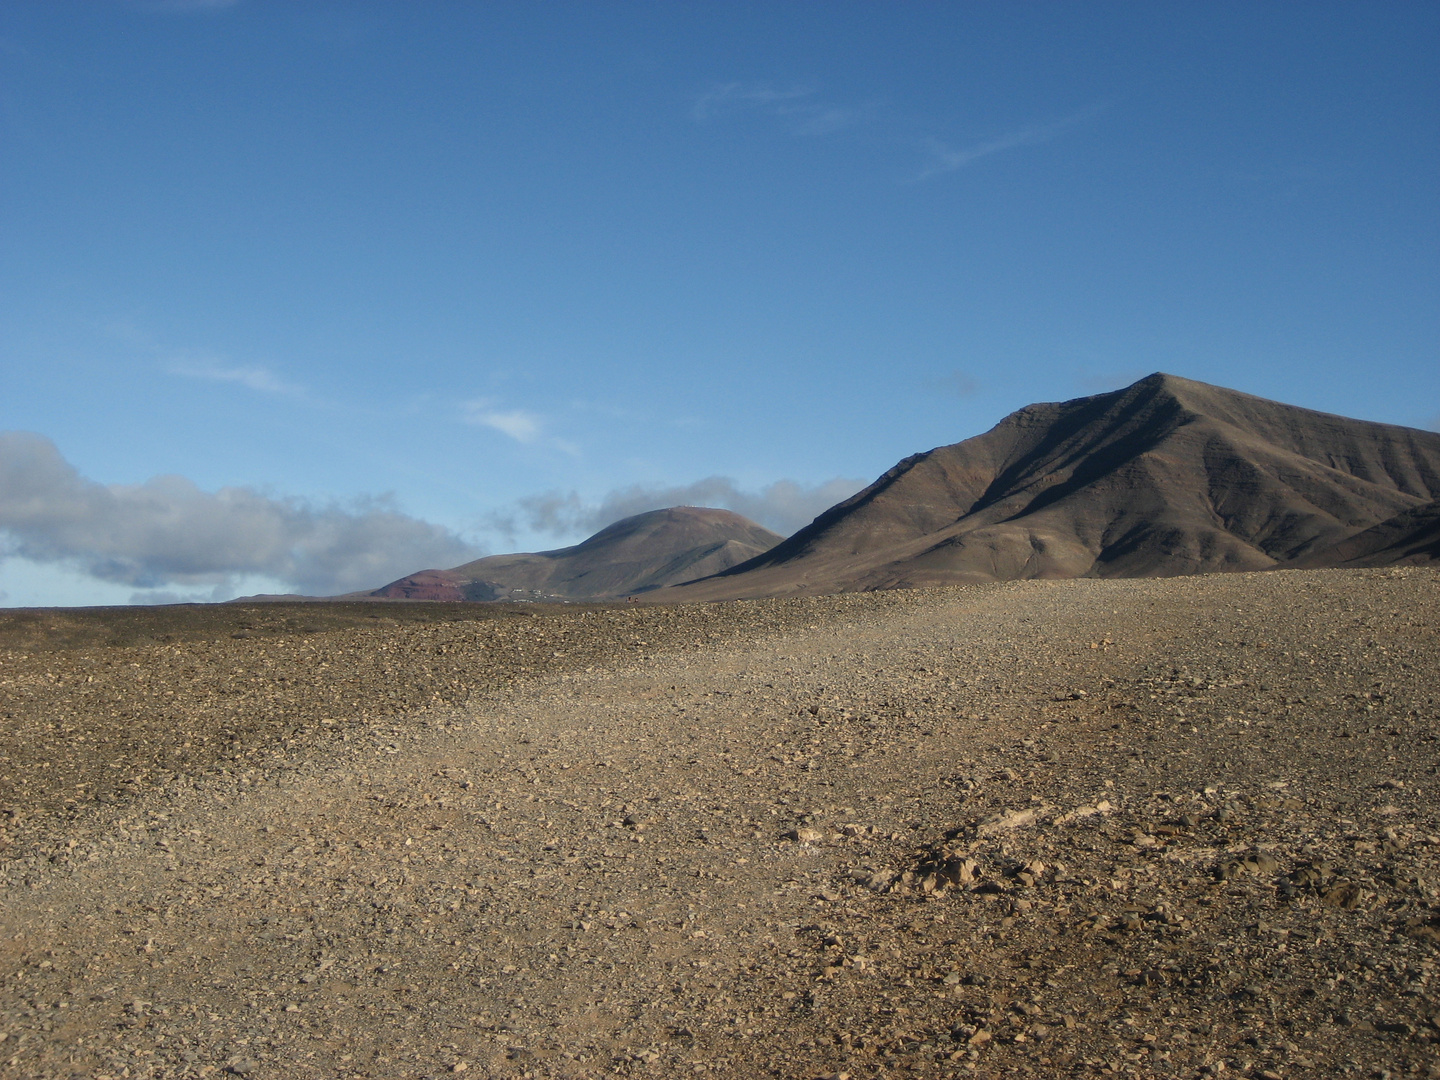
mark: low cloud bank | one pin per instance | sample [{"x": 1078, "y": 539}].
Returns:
[
  {"x": 168, "y": 532},
  {"x": 783, "y": 506}
]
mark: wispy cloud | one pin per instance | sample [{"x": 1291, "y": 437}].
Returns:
[
  {"x": 167, "y": 532},
  {"x": 213, "y": 369},
  {"x": 797, "y": 107},
  {"x": 522, "y": 425},
  {"x": 783, "y": 506},
  {"x": 204, "y": 364},
  {"x": 519, "y": 424},
  {"x": 947, "y": 159},
  {"x": 806, "y": 113},
  {"x": 732, "y": 97}
]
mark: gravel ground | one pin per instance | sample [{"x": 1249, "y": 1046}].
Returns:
[{"x": 1180, "y": 827}]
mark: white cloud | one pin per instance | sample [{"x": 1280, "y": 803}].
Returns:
[
  {"x": 730, "y": 97},
  {"x": 520, "y": 425},
  {"x": 805, "y": 114},
  {"x": 949, "y": 159},
  {"x": 168, "y": 533},
  {"x": 210, "y": 368},
  {"x": 783, "y": 506},
  {"x": 795, "y": 107}
]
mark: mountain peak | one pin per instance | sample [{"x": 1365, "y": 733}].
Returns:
[{"x": 1165, "y": 476}]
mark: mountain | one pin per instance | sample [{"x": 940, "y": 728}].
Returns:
[
  {"x": 1164, "y": 477},
  {"x": 1410, "y": 538},
  {"x": 638, "y": 554}
]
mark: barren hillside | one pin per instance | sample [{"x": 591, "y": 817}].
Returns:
[
  {"x": 1168, "y": 476},
  {"x": 634, "y": 555}
]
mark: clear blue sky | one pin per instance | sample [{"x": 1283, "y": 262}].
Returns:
[{"x": 372, "y": 286}]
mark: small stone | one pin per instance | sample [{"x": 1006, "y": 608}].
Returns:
[
  {"x": 1262, "y": 864},
  {"x": 881, "y": 879},
  {"x": 1007, "y": 821},
  {"x": 1345, "y": 895}
]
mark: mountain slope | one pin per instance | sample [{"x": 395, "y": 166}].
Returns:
[
  {"x": 1409, "y": 538},
  {"x": 1167, "y": 476},
  {"x": 638, "y": 554}
]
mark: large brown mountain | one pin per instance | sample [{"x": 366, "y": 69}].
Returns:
[
  {"x": 635, "y": 555},
  {"x": 1164, "y": 477}
]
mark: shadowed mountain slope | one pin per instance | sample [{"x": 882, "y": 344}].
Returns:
[
  {"x": 1410, "y": 538},
  {"x": 1164, "y": 477},
  {"x": 637, "y": 554}
]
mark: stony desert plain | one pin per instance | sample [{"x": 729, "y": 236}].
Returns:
[{"x": 1163, "y": 827}]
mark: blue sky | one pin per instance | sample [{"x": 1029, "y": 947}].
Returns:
[{"x": 372, "y": 286}]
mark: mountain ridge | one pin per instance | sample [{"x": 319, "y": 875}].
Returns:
[
  {"x": 634, "y": 555},
  {"x": 1166, "y": 476}
]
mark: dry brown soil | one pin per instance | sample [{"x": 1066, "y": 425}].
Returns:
[{"x": 1179, "y": 827}]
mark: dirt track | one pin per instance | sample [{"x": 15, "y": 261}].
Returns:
[{"x": 1071, "y": 828}]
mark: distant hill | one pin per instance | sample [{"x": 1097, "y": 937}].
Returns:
[
  {"x": 1164, "y": 477},
  {"x": 639, "y": 554}
]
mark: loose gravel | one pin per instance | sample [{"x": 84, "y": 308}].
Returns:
[{"x": 1178, "y": 827}]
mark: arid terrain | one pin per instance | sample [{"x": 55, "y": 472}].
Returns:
[{"x": 1155, "y": 827}]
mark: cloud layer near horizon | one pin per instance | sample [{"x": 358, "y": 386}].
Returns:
[
  {"x": 783, "y": 506},
  {"x": 168, "y": 532}
]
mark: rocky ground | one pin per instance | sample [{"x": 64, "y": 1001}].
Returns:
[{"x": 1178, "y": 827}]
